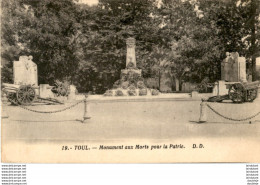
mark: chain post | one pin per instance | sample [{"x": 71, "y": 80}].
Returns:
[
  {"x": 4, "y": 114},
  {"x": 85, "y": 117},
  {"x": 203, "y": 111}
]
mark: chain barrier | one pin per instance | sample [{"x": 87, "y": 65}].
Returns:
[
  {"x": 232, "y": 119},
  {"x": 49, "y": 112}
]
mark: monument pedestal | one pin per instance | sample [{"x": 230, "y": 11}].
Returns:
[{"x": 131, "y": 82}]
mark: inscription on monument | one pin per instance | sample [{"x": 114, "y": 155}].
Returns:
[{"x": 130, "y": 55}]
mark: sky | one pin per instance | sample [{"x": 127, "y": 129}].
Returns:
[{"x": 89, "y": 2}]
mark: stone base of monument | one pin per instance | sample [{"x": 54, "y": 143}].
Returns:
[
  {"x": 194, "y": 94},
  {"x": 45, "y": 91},
  {"x": 221, "y": 88},
  {"x": 131, "y": 83},
  {"x": 72, "y": 94}
]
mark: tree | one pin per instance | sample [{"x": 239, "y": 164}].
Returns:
[
  {"x": 50, "y": 39},
  {"x": 15, "y": 18},
  {"x": 252, "y": 24},
  {"x": 106, "y": 28},
  {"x": 238, "y": 22},
  {"x": 86, "y": 45},
  {"x": 46, "y": 30},
  {"x": 157, "y": 62},
  {"x": 192, "y": 50}
]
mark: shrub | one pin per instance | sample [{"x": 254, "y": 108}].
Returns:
[
  {"x": 108, "y": 93},
  {"x": 131, "y": 92},
  {"x": 142, "y": 92},
  {"x": 132, "y": 87},
  {"x": 140, "y": 85},
  {"x": 116, "y": 84},
  {"x": 119, "y": 93},
  {"x": 155, "y": 92},
  {"x": 125, "y": 85},
  {"x": 123, "y": 77},
  {"x": 140, "y": 78},
  {"x": 136, "y": 76},
  {"x": 61, "y": 88}
]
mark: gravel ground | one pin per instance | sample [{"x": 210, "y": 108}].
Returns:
[{"x": 126, "y": 120}]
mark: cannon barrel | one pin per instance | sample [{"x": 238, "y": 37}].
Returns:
[
  {"x": 11, "y": 86},
  {"x": 251, "y": 85}
]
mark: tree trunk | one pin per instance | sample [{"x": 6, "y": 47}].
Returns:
[
  {"x": 177, "y": 84},
  {"x": 159, "y": 84},
  {"x": 253, "y": 39}
]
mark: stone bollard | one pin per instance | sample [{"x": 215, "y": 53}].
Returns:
[
  {"x": 203, "y": 111},
  {"x": 72, "y": 94},
  {"x": 45, "y": 91},
  {"x": 4, "y": 114},
  {"x": 194, "y": 94},
  {"x": 86, "y": 107}
]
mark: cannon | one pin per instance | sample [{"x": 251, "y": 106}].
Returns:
[
  {"x": 20, "y": 94},
  {"x": 26, "y": 94},
  {"x": 243, "y": 92},
  {"x": 238, "y": 92},
  {"x": 25, "y": 89}
]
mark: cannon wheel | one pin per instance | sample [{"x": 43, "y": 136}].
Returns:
[
  {"x": 236, "y": 93},
  {"x": 251, "y": 95},
  {"x": 25, "y": 95}
]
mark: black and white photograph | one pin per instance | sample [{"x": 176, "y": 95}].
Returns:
[{"x": 130, "y": 81}]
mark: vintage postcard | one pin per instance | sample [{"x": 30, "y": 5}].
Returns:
[{"x": 111, "y": 81}]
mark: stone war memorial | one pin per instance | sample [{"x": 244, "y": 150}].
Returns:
[
  {"x": 233, "y": 69},
  {"x": 25, "y": 90},
  {"x": 25, "y": 71},
  {"x": 233, "y": 84},
  {"x": 131, "y": 82}
]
